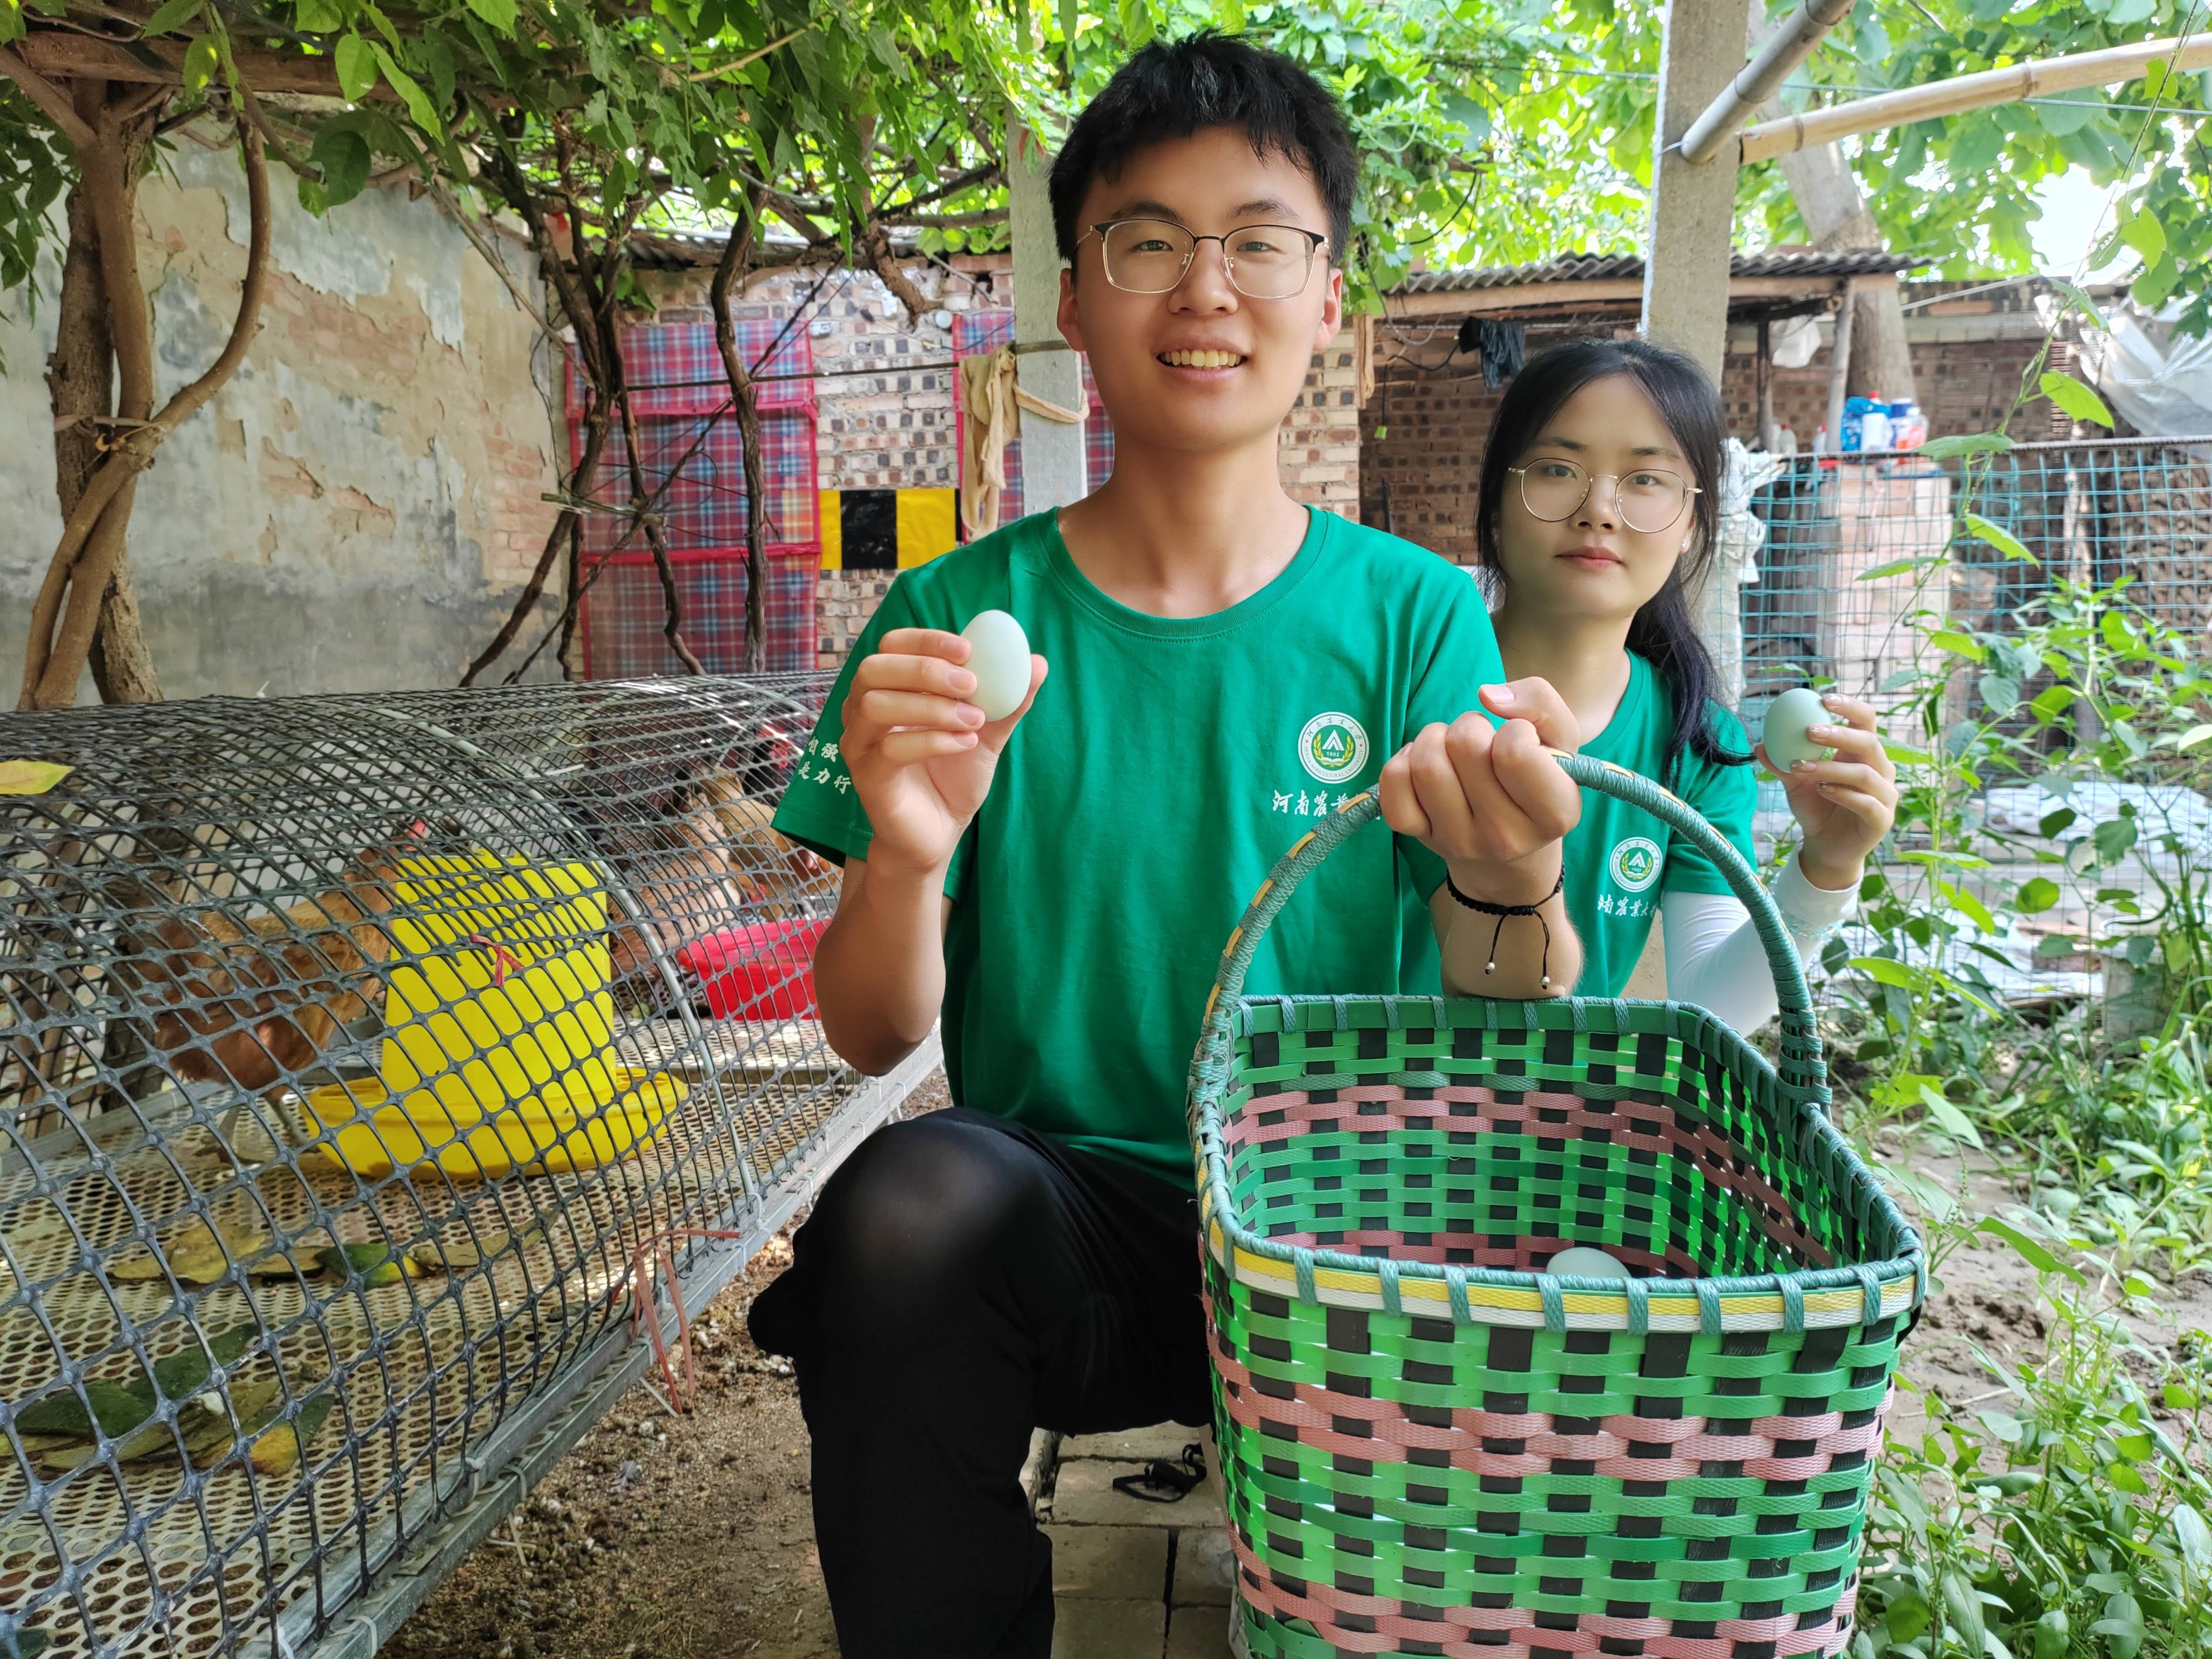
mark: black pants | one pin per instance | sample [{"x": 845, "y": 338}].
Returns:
[{"x": 961, "y": 1281}]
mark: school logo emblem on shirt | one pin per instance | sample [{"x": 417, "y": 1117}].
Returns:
[
  {"x": 1333, "y": 747},
  {"x": 1635, "y": 864}
]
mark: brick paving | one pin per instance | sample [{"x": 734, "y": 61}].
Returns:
[{"x": 1135, "y": 1580}]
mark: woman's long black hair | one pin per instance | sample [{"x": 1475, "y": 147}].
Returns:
[{"x": 1662, "y": 631}]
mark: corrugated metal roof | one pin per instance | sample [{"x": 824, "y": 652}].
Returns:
[
  {"x": 669, "y": 251},
  {"x": 674, "y": 249},
  {"x": 666, "y": 250},
  {"x": 1600, "y": 267}
]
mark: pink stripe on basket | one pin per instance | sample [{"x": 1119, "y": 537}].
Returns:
[
  {"x": 1632, "y": 1121},
  {"x": 1322, "y": 1603},
  {"x": 1315, "y": 1413}
]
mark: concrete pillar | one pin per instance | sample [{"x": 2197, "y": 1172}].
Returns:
[
  {"x": 1685, "y": 275},
  {"x": 1686, "y": 270},
  {"x": 1052, "y": 453}
]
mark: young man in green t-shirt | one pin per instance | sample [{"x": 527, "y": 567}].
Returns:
[{"x": 1226, "y": 666}]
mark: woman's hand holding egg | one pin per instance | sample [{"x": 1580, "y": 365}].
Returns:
[
  {"x": 1846, "y": 802},
  {"x": 921, "y": 752}
]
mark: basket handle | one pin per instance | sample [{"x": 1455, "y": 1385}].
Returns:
[{"x": 1801, "y": 1066}]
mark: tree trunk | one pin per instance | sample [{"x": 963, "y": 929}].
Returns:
[
  {"x": 572, "y": 656},
  {"x": 121, "y": 662},
  {"x": 1835, "y": 218},
  {"x": 73, "y": 604},
  {"x": 80, "y": 377},
  {"x": 671, "y": 597},
  {"x": 749, "y": 431},
  {"x": 80, "y": 370}
]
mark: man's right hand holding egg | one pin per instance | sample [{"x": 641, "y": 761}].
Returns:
[{"x": 921, "y": 753}]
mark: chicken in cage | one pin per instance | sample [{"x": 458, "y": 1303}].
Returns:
[{"x": 372, "y": 1067}]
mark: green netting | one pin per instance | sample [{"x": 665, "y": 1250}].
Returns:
[{"x": 1429, "y": 1445}]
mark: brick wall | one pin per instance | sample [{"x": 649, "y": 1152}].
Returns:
[
  {"x": 1966, "y": 386},
  {"x": 1320, "y": 447},
  {"x": 885, "y": 415},
  {"x": 1420, "y": 455},
  {"x": 1422, "y": 436}
]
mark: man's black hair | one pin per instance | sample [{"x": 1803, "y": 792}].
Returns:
[{"x": 1172, "y": 90}]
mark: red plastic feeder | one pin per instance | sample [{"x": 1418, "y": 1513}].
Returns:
[{"x": 764, "y": 972}]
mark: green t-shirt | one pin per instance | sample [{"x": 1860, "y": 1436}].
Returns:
[
  {"x": 1619, "y": 859},
  {"x": 1166, "y": 766}
]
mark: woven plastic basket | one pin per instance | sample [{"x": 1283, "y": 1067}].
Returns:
[{"x": 1428, "y": 1446}]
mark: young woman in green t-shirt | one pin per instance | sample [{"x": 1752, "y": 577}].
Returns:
[{"x": 1598, "y": 509}]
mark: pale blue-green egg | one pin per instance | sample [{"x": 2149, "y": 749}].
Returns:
[
  {"x": 1000, "y": 661},
  {"x": 1585, "y": 1261},
  {"x": 1788, "y": 718}
]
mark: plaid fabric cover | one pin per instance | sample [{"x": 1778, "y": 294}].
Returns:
[
  {"x": 676, "y": 385},
  {"x": 677, "y": 382},
  {"x": 706, "y": 506},
  {"x": 977, "y": 332},
  {"x": 623, "y": 615},
  {"x": 674, "y": 368}
]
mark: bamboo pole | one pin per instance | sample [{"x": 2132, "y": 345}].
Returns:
[
  {"x": 2112, "y": 66},
  {"x": 1761, "y": 79}
]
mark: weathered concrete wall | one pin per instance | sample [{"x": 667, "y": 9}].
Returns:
[{"x": 355, "y": 510}]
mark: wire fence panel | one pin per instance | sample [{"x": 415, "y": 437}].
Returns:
[
  {"x": 1841, "y": 570},
  {"x": 1875, "y": 568},
  {"x": 363, "y": 1056}
]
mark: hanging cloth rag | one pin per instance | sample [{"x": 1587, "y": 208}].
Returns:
[
  {"x": 989, "y": 397},
  {"x": 1504, "y": 349}
]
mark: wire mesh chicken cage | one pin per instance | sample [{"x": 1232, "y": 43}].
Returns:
[{"x": 373, "y": 1066}]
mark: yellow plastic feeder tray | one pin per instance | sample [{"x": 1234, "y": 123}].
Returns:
[
  {"x": 499, "y": 1051},
  {"x": 561, "y": 1129}
]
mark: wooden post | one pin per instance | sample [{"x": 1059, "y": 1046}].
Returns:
[
  {"x": 1770, "y": 434},
  {"x": 1839, "y": 369},
  {"x": 1686, "y": 264},
  {"x": 1687, "y": 254},
  {"x": 1052, "y": 453}
]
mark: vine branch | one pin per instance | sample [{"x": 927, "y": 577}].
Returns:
[{"x": 92, "y": 545}]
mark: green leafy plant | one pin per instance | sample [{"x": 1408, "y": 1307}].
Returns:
[{"x": 2054, "y": 1514}]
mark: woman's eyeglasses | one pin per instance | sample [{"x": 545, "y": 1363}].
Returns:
[
  {"x": 1263, "y": 262},
  {"x": 1649, "y": 500}
]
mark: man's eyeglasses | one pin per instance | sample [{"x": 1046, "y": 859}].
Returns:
[{"x": 1263, "y": 262}]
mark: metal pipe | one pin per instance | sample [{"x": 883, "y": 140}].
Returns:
[
  {"x": 1761, "y": 79},
  {"x": 2107, "y": 68}
]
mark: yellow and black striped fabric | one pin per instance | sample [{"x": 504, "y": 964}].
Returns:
[{"x": 887, "y": 529}]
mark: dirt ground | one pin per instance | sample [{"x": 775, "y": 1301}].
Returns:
[
  {"x": 663, "y": 1538},
  {"x": 1986, "y": 1299},
  {"x": 657, "y": 1536}
]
